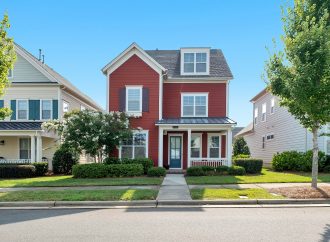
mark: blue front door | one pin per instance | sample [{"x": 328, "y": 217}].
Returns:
[{"x": 175, "y": 151}]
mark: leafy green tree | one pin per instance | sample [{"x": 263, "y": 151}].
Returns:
[
  {"x": 95, "y": 133},
  {"x": 300, "y": 75},
  {"x": 7, "y": 60},
  {"x": 240, "y": 147}
]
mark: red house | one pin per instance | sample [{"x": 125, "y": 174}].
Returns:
[{"x": 178, "y": 100}]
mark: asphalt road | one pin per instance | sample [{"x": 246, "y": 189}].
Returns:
[{"x": 166, "y": 224}]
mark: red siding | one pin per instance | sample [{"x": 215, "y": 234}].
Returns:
[
  {"x": 172, "y": 98},
  {"x": 136, "y": 72}
]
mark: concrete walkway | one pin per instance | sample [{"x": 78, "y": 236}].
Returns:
[
  {"x": 174, "y": 187},
  {"x": 12, "y": 189}
]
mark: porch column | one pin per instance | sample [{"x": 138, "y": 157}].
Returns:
[
  {"x": 229, "y": 146},
  {"x": 189, "y": 148},
  {"x": 160, "y": 146},
  {"x": 39, "y": 149},
  {"x": 33, "y": 148}
]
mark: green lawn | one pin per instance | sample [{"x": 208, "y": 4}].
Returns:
[
  {"x": 212, "y": 194},
  {"x": 61, "y": 181},
  {"x": 266, "y": 176},
  {"x": 82, "y": 195}
]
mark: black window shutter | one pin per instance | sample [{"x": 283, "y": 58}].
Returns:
[
  {"x": 145, "y": 100},
  {"x": 122, "y": 99}
]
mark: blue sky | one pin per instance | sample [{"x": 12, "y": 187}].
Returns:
[{"x": 79, "y": 37}]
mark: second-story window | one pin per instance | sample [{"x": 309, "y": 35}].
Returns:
[
  {"x": 195, "y": 61},
  {"x": 256, "y": 115},
  {"x": 134, "y": 99},
  {"x": 66, "y": 107},
  {"x": 272, "y": 105},
  {"x": 22, "y": 109},
  {"x": 263, "y": 114},
  {"x": 194, "y": 105},
  {"x": 46, "y": 109}
]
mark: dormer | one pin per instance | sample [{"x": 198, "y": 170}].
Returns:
[{"x": 195, "y": 61}]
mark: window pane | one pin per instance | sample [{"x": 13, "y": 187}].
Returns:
[
  {"x": 214, "y": 142},
  {"x": 65, "y": 107},
  {"x": 188, "y": 110},
  {"x": 195, "y": 152},
  {"x": 22, "y": 105},
  {"x": 200, "y": 57},
  {"x": 46, "y": 105},
  {"x": 201, "y": 67},
  {"x": 22, "y": 114},
  {"x": 24, "y": 148},
  {"x": 127, "y": 152},
  {"x": 200, "y": 111},
  {"x": 133, "y": 105},
  {"x": 195, "y": 141},
  {"x": 46, "y": 114},
  {"x": 133, "y": 99},
  {"x": 188, "y": 57},
  {"x": 188, "y": 67},
  {"x": 140, "y": 152},
  {"x": 139, "y": 139},
  {"x": 200, "y": 100},
  {"x": 188, "y": 100},
  {"x": 214, "y": 153}
]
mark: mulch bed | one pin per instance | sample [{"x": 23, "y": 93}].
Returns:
[{"x": 302, "y": 192}]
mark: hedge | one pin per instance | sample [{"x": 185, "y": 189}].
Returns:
[
  {"x": 96, "y": 170},
  {"x": 41, "y": 168},
  {"x": 145, "y": 162},
  {"x": 195, "y": 171},
  {"x": 222, "y": 170},
  {"x": 17, "y": 171},
  {"x": 157, "y": 171},
  {"x": 251, "y": 166},
  {"x": 236, "y": 171}
]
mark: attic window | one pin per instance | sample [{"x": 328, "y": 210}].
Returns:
[{"x": 195, "y": 61}]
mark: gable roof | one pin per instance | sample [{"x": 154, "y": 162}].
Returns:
[
  {"x": 54, "y": 76},
  {"x": 170, "y": 59},
  {"x": 247, "y": 130},
  {"x": 259, "y": 95}
]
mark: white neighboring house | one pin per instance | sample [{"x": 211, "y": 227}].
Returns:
[
  {"x": 37, "y": 93},
  {"x": 274, "y": 130}
]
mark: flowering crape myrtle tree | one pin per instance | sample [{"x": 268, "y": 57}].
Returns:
[
  {"x": 95, "y": 133},
  {"x": 300, "y": 75},
  {"x": 7, "y": 60}
]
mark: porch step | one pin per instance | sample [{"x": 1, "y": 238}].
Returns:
[{"x": 170, "y": 171}]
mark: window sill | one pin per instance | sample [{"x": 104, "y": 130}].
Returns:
[{"x": 134, "y": 114}]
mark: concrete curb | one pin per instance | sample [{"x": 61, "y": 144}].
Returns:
[{"x": 156, "y": 203}]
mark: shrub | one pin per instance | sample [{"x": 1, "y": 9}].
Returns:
[
  {"x": 124, "y": 170},
  {"x": 145, "y": 162},
  {"x": 195, "y": 171},
  {"x": 326, "y": 169},
  {"x": 111, "y": 160},
  {"x": 17, "y": 171},
  {"x": 89, "y": 170},
  {"x": 251, "y": 166},
  {"x": 222, "y": 170},
  {"x": 241, "y": 156},
  {"x": 63, "y": 160},
  {"x": 240, "y": 147},
  {"x": 236, "y": 171},
  {"x": 157, "y": 171},
  {"x": 41, "y": 168}
]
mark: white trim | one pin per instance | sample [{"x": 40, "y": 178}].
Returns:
[
  {"x": 209, "y": 135},
  {"x": 133, "y": 49},
  {"x": 169, "y": 147},
  {"x": 27, "y": 113},
  {"x": 160, "y": 147},
  {"x": 51, "y": 109},
  {"x": 263, "y": 113},
  {"x": 146, "y": 132},
  {"x": 227, "y": 99},
  {"x": 194, "y": 51},
  {"x": 229, "y": 146},
  {"x": 107, "y": 92},
  {"x": 137, "y": 112},
  {"x": 200, "y": 135},
  {"x": 60, "y": 104},
  {"x": 160, "y": 97},
  {"x": 195, "y": 94},
  {"x": 272, "y": 105}
]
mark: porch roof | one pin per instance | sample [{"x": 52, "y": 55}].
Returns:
[
  {"x": 197, "y": 121},
  {"x": 20, "y": 125}
]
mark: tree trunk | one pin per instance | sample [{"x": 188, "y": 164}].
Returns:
[{"x": 315, "y": 158}]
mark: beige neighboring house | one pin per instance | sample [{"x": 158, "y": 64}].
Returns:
[
  {"x": 37, "y": 93},
  {"x": 274, "y": 130}
]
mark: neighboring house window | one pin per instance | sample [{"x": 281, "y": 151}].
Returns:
[
  {"x": 134, "y": 99},
  {"x": 135, "y": 147},
  {"x": 196, "y": 146},
  {"x": 10, "y": 73},
  {"x": 269, "y": 137},
  {"x": 82, "y": 108},
  {"x": 214, "y": 146},
  {"x": 194, "y": 105},
  {"x": 46, "y": 109},
  {"x": 263, "y": 114},
  {"x": 189, "y": 63},
  {"x": 263, "y": 142},
  {"x": 66, "y": 107},
  {"x": 22, "y": 109},
  {"x": 195, "y": 61},
  {"x": 272, "y": 105},
  {"x": 255, "y": 115},
  {"x": 25, "y": 148}
]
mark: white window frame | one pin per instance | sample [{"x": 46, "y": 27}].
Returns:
[
  {"x": 272, "y": 106},
  {"x": 29, "y": 147},
  {"x": 195, "y": 51},
  {"x": 200, "y": 135},
  {"x": 206, "y": 94},
  {"x": 139, "y": 112},
  {"x": 65, "y": 102},
  {"x": 263, "y": 114},
  {"x": 27, "y": 113},
  {"x": 209, "y": 135},
  {"x": 11, "y": 71},
  {"x": 146, "y": 132},
  {"x": 256, "y": 114},
  {"x": 270, "y": 139},
  {"x": 51, "y": 109}
]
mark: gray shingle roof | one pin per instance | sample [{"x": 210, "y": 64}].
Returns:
[
  {"x": 170, "y": 59},
  {"x": 20, "y": 125},
  {"x": 212, "y": 120}
]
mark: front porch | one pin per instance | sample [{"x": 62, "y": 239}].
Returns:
[{"x": 209, "y": 144}]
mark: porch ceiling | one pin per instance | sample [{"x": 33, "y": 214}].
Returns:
[{"x": 196, "y": 121}]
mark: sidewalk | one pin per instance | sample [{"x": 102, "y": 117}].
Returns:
[
  {"x": 257, "y": 185},
  {"x": 174, "y": 187}
]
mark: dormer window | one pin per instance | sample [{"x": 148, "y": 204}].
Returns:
[{"x": 195, "y": 61}]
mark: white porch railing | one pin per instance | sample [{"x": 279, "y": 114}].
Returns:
[
  {"x": 18, "y": 161},
  {"x": 214, "y": 162}
]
